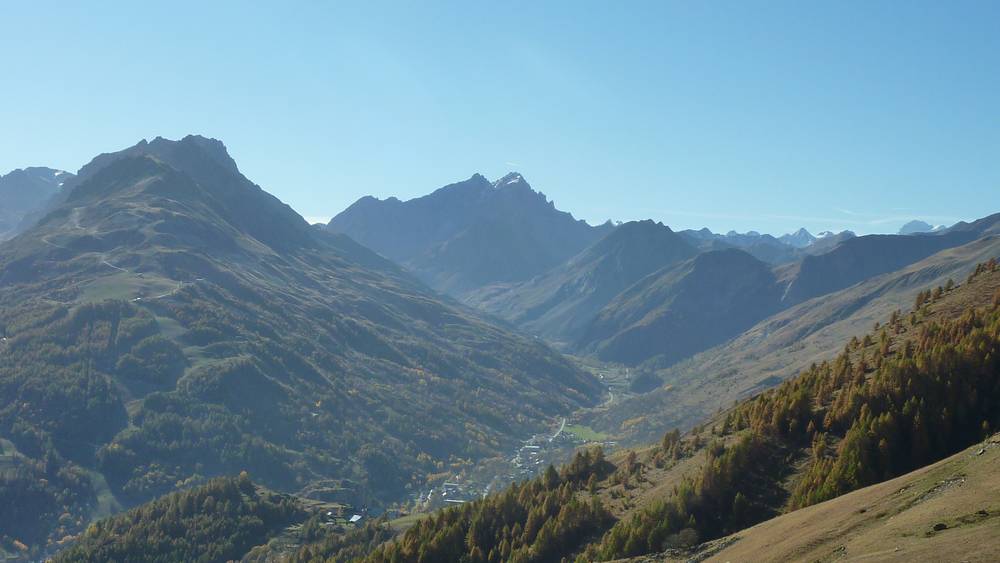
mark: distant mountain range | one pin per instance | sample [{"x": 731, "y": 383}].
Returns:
[
  {"x": 470, "y": 234},
  {"x": 770, "y": 249},
  {"x": 642, "y": 292},
  {"x": 659, "y": 317},
  {"x": 799, "y": 239},
  {"x": 25, "y": 191}
]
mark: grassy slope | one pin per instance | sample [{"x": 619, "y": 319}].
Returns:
[{"x": 890, "y": 521}]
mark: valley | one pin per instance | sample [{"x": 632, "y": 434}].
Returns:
[{"x": 474, "y": 282}]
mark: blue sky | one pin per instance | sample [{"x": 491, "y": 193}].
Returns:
[{"x": 732, "y": 115}]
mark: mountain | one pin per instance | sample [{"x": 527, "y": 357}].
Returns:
[
  {"x": 664, "y": 313},
  {"x": 170, "y": 321},
  {"x": 799, "y": 239},
  {"x": 860, "y": 258},
  {"x": 561, "y": 302},
  {"x": 24, "y": 191},
  {"x": 914, "y": 227},
  {"x": 761, "y": 246},
  {"x": 827, "y": 240},
  {"x": 989, "y": 225},
  {"x": 626, "y": 302},
  {"x": 683, "y": 309},
  {"x": 470, "y": 234}
]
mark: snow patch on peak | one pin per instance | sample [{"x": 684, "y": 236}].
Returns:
[{"x": 512, "y": 178}]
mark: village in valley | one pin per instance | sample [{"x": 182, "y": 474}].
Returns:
[{"x": 529, "y": 459}]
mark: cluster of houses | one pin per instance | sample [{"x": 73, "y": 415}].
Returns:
[
  {"x": 529, "y": 460},
  {"x": 446, "y": 494},
  {"x": 342, "y": 515}
]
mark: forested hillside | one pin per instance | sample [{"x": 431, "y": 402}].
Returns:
[{"x": 218, "y": 521}]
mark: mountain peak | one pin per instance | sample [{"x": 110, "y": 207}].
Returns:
[
  {"x": 39, "y": 173},
  {"x": 471, "y": 233},
  {"x": 198, "y": 173},
  {"x": 644, "y": 225},
  {"x": 643, "y": 241},
  {"x": 23, "y": 192},
  {"x": 214, "y": 148},
  {"x": 799, "y": 239},
  {"x": 512, "y": 178},
  {"x": 192, "y": 150}
]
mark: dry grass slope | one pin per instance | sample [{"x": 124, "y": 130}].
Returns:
[{"x": 947, "y": 511}]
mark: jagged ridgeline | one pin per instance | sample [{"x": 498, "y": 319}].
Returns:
[{"x": 167, "y": 321}]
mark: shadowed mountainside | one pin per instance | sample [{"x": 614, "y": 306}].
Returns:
[
  {"x": 470, "y": 234},
  {"x": 560, "y": 303},
  {"x": 24, "y": 192}
]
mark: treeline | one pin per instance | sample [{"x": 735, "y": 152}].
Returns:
[
  {"x": 539, "y": 520},
  {"x": 219, "y": 521}
]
